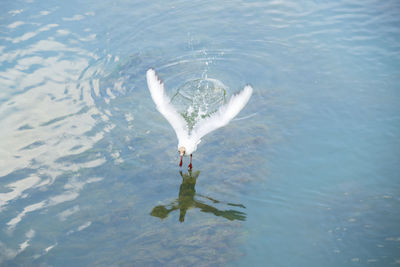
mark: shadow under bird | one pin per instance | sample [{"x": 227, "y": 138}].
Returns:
[
  {"x": 188, "y": 199},
  {"x": 188, "y": 140}
]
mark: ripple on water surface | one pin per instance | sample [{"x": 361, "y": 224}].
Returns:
[
  {"x": 304, "y": 174},
  {"x": 78, "y": 135}
]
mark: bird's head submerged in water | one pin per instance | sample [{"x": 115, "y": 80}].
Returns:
[{"x": 182, "y": 152}]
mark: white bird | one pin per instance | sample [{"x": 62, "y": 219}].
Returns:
[{"x": 188, "y": 141}]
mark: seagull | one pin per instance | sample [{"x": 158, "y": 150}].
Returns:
[{"x": 188, "y": 140}]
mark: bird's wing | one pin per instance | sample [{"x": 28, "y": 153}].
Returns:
[
  {"x": 223, "y": 115},
  {"x": 164, "y": 106}
]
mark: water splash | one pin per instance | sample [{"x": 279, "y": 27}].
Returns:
[{"x": 199, "y": 98}]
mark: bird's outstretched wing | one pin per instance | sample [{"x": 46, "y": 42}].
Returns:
[
  {"x": 164, "y": 106},
  {"x": 223, "y": 115}
]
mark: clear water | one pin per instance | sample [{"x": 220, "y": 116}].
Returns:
[{"x": 307, "y": 175}]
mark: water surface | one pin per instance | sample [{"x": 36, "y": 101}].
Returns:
[{"x": 306, "y": 175}]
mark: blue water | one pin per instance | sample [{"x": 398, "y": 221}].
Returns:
[{"x": 306, "y": 175}]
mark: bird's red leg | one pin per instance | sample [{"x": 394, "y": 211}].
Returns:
[
  {"x": 190, "y": 164},
  {"x": 180, "y": 163}
]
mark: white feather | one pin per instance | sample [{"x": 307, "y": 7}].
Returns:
[
  {"x": 223, "y": 115},
  {"x": 218, "y": 119},
  {"x": 164, "y": 106}
]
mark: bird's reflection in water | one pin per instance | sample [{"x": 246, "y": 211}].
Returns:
[{"x": 187, "y": 200}]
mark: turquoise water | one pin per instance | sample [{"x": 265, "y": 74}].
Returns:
[{"x": 306, "y": 175}]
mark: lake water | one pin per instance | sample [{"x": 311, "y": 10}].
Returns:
[{"x": 308, "y": 174}]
